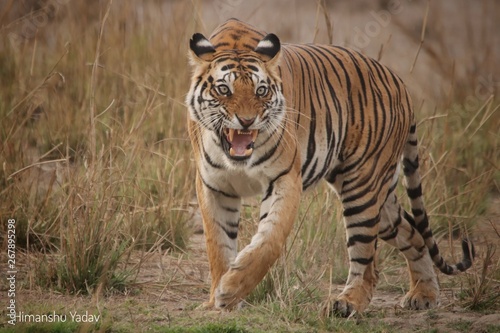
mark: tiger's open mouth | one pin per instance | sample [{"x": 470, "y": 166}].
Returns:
[{"x": 238, "y": 144}]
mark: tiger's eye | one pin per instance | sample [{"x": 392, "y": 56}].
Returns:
[
  {"x": 223, "y": 90},
  {"x": 261, "y": 91}
]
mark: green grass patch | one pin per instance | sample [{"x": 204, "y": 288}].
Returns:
[
  {"x": 208, "y": 328},
  {"x": 61, "y": 327}
]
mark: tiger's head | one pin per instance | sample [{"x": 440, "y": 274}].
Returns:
[{"x": 236, "y": 94}]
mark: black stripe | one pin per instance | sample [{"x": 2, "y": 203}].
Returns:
[
  {"x": 370, "y": 223},
  {"x": 413, "y": 128},
  {"x": 405, "y": 248},
  {"x": 409, "y": 167},
  {"x": 417, "y": 258},
  {"x": 270, "y": 152},
  {"x": 252, "y": 60},
  {"x": 386, "y": 229},
  {"x": 426, "y": 234},
  {"x": 363, "y": 261},
  {"x": 233, "y": 224},
  {"x": 434, "y": 250},
  {"x": 414, "y": 193},
  {"x": 235, "y": 37},
  {"x": 409, "y": 218},
  {"x": 231, "y": 209},
  {"x": 417, "y": 212},
  {"x": 248, "y": 46},
  {"x": 231, "y": 234},
  {"x": 227, "y": 67},
  {"x": 394, "y": 231},
  {"x": 211, "y": 188},
  {"x": 221, "y": 44},
  {"x": 332, "y": 175},
  {"x": 209, "y": 160},
  {"x": 360, "y": 208},
  {"x": 308, "y": 180},
  {"x": 468, "y": 250},
  {"x": 368, "y": 187},
  {"x": 223, "y": 57},
  {"x": 253, "y": 68},
  {"x": 440, "y": 263},
  {"x": 311, "y": 142},
  {"x": 365, "y": 239},
  {"x": 448, "y": 270},
  {"x": 270, "y": 188},
  {"x": 412, "y": 142}
]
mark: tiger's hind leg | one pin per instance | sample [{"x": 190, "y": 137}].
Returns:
[
  {"x": 362, "y": 207},
  {"x": 363, "y": 275},
  {"x": 397, "y": 228}
]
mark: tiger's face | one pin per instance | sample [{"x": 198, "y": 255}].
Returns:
[{"x": 236, "y": 94}]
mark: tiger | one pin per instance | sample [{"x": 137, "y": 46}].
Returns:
[{"x": 273, "y": 119}]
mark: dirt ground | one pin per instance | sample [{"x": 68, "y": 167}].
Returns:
[
  {"x": 193, "y": 267},
  {"x": 171, "y": 286}
]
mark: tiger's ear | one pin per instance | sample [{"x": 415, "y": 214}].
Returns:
[
  {"x": 269, "y": 47},
  {"x": 202, "y": 49}
]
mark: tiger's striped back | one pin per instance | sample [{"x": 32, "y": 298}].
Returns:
[{"x": 358, "y": 111}]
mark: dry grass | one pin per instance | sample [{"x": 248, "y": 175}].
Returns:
[
  {"x": 96, "y": 163},
  {"x": 94, "y": 152}
]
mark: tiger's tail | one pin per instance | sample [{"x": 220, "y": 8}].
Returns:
[{"x": 419, "y": 220}]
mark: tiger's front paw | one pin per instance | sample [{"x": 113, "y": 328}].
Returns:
[
  {"x": 226, "y": 299},
  {"x": 354, "y": 299},
  {"x": 207, "y": 305},
  {"x": 231, "y": 291},
  {"x": 337, "y": 308},
  {"x": 342, "y": 307}
]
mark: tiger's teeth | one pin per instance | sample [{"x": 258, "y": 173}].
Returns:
[
  {"x": 248, "y": 152},
  {"x": 254, "y": 135},
  {"x": 231, "y": 135}
]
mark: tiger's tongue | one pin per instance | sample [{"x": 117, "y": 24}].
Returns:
[{"x": 240, "y": 143}]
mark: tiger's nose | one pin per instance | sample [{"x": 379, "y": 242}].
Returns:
[{"x": 246, "y": 121}]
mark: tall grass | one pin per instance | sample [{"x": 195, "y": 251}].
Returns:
[
  {"x": 96, "y": 161},
  {"x": 462, "y": 165}
]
